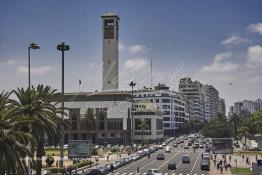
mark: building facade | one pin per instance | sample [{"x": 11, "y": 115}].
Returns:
[
  {"x": 110, "y": 110},
  {"x": 222, "y": 107},
  {"x": 214, "y": 101},
  {"x": 170, "y": 103},
  {"x": 110, "y": 28},
  {"x": 258, "y": 104},
  {"x": 192, "y": 91},
  {"x": 245, "y": 107},
  {"x": 151, "y": 131}
]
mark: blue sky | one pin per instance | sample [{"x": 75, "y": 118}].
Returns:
[{"x": 216, "y": 42}]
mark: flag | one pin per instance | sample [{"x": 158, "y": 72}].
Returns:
[{"x": 80, "y": 81}]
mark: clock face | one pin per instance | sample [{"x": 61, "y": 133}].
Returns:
[{"x": 109, "y": 29}]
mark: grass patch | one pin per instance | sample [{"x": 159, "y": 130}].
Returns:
[
  {"x": 55, "y": 152},
  {"x": 240, "y": 170}
]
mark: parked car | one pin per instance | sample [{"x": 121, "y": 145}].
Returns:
[
  {"x": 160, "y": 156},
  {"x": 171, "y": 165},
  {"x": 186, "y": 147},
  {"x": 205, "y": 165},
  {"x": 103, "y": 170},
  {"x": 93, "y": 172},
  {"x": 185, "y": 159},
  {"x": 153, "y": 172},
  {"x": 168, "y": 149},
  {"x": 201, "y": 146},
  {"x": 175, "y": 145}
]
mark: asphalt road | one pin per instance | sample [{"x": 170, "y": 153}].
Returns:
[{"x": 144, "y": 164}]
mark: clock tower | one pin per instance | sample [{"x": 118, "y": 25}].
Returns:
[{"x": 110, "y": 28}]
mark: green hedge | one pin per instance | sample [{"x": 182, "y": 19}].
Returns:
[{"x": 60, "y": 170}]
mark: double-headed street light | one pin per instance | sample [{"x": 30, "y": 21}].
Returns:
[
  {"x": 62, "y": 47},
  {"x": 31, "y": 46},
  {"x": 132, "y": 84}
]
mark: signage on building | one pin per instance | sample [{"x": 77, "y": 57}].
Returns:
[
  {"x": 222, "y": 146},
  {"x": 79, "y": 148}
]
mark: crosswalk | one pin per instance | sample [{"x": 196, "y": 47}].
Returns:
[{"x": 163, "y": 174}]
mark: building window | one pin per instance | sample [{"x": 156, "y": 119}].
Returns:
[
  {"x": 102, "y": 135},
  {"x": 101, "y": 115},
  {"x": 115, "y": 124},
  {"x": 84, "y": 136},
  {"x": 108, "y": 82},
  {"x": 166, "y": 112},
  {"x": 166, "y": 118},
  {"x": 137, "y": 124},
  {"x": 165, "y": 100},
  {"x": 75, "y": 136},
  {"x": 157, "y": 100},
  {"x": 151, "y": 100},
  {"x": 74, "y": 121},
  {"x": 108, "y": 61},
  {"x": 159, "y": 124},
  {"x": 167, "y": 125},
  {"x": 165, "y": 106},
  {"x": 112, "y": 135}
]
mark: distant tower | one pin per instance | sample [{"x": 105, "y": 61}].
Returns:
[{"x": 110, "y": 51}]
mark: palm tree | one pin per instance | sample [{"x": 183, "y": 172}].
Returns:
[
  {"x": 235, "y": 121},
  {"x": 13, "y": 142},
  {"x": 36, "y": 103},
  {"x": 89, "y": 122},
  {"x": 144, "y": 126}
]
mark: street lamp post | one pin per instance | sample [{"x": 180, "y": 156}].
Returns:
[
  {"x": 132, "y": 84},
  {"x": 31, "y": 46},
  {"x": 62, "y": 47}
]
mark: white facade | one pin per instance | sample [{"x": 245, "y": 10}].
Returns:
[
  {"x": 244, "y": 107},
  {"x": 170, "y": 103},
  {"x": 110, "y": 29},
  {"x": 148, "y": 113}
]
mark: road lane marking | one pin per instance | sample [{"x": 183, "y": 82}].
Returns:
[
  {"x": 131, "y": 165},
  {"x": 176, "y": 167},
  {"x": 147, "y": 164},
  {"x": 168, "y": 160},
  {"x": 131, "y": 173},
  {"x": 195, "y": 162}
]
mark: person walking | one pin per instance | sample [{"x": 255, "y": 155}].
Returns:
[
  {"x": 229, "y": 158},
  {"x": 226, "y": 167},
  {"x": 214, "y": 161},
  {"x": 246, "y": 160},
  {"x": 64, "y": 172},
  {"x": 112, "y": 168},
  {"x": 70, "y": 170},
  {"x": 137, "y": 169},
  {"x": 221, "y": 169}
]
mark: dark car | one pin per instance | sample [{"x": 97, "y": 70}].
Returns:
[
  {"x": 171, "y": 165},
  {"x": 104, "y": 170},
  {"x": 93, "y": 172},
  {"x": 160, "y": 157},
  {"x": 205, "y": 165}
]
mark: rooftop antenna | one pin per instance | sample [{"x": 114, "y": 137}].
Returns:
[{"x": 151, "y": 67}]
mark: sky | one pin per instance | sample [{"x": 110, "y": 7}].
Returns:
[{"x": 216, "y": 42}]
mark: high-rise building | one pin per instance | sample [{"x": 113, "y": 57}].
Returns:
[
  {"x": 110, "y": 29},
  {"x": 222, "y": 106},
  {"x": 214, "y": 101},
  {"x": 244, "y": 107},
  {"x": 194, "y": 97},
  {"x": 170, "y": 103},
  {"x": 258, "y": 104}
]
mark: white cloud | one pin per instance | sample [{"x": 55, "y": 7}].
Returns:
[
  {"x": 9, "y": 63},
  {"x": 222, "y": 56},
  {"x": 220, "y": 64},
  {"x": 216, "y": 67},
  {"x": 121, "y": 46},
  {"x": 254, "y": 79},
  {"x": 34, "y": 70},
  {"x": 234, "y": 40},
  {"x": 255, "y": 28},
  {"x": 136, "y": 64},
  {"x": 254, "y": 56},
  {"x": 137, "y": 48}
]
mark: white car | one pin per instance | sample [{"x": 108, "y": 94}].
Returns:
[
  {"x": 168, "y": 149},
  {"x": 164, "y": 144},
  {"x": 153, "y": 172}
]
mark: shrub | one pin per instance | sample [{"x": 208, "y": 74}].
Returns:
[
  {"x": 94, "y": 152},
  {"x": 50, "y": 160}
]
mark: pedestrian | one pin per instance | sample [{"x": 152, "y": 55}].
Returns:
[
  {"x": 225, "y": 161},
  {"x": 107, "y": 158},
  {"x": 221, "y": 169},
  {"x": 120, "y": 155},
  {"x": 137, "y": 169},
  {"x": 112, "y": 168},
  {"x": 229, "y": 158},
  {"x": 226, "y": 167},
  {"x": 243, "y": 157},
  {"x": 218, "y": 165},
  {"x": 211, "y": 157},
  {"x": 83, "y": 171},
  {"x": 214, "y": 162},
  {"x": 149, "y": 156},
  {"x": 70, "y": 170},
  {"x": 64, "y": 172},
  {"x": 202, "y": 156},
  {"x": 215, "y": 156},
  {"x": 246, "y": 160}
]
